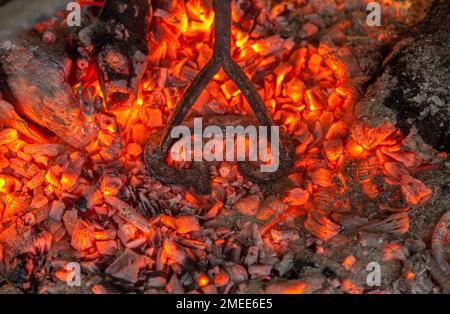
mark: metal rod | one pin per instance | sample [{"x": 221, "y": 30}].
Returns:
[
  {"x": 222, "y": 28},
  {"x": 221, "y": 58}
]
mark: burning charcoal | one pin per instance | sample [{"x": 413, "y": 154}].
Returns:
[
  {"x": 297, "y": 197},
  {"x": 70, "y": 219},
  {"x": 106, "y": 247},
  {"x": 186, "y": 224},
  {"x": 173, "y": 251},
  {"x": 333, "y": 150},
  {"x": 393, "y": 251},
  {"x": 221, "y": 279},
  {"x": 128, "y": 213},
  {"x": 8, "y": 136},
  {"x": 252, "y": 255},
  {"x": 36, "y": 216},
  {"x": 281, "y": 235},
  {"x": 69, "y": 178},
  {"x": 99, "y": 289},
  {"x": 314, "y": 100},
  {"x": 110, "y": 185},
  {"x": 309, "y": 30},
  {"x": 168, "y": 221},
  {"x": 414, "y": 191},
  {"x": 396, "y": 224},
  {"x": 202, "y": 280},
  {"x": 224, "y": 170},
  {"x": 314, "y": 63},
  {"x": 157, "y": 280},
  {"x": 209, "y": 289},
  {"x": 4, "y": 163},
  {"x": 349, "y": 262},
  {"x": 370, "y": 138},
  {"x": 82, "y": 239},
  {"x": 296, "y": 286},
  {"x": 56, "y": 229},
  {"x": 155, "y": 119},
  {"x": 36, "y": 181},
  {"x": 174, "y": 286},
  {"x": 128, "y": 266},
  {"x": 129, "y": 236},
  {"x": 271, "y": 45},
  {"x": 350, "y": 287},
  {"x": 237, "y": 273},
  {"x": 321, "y": 226},
  {"x": 17, "y": 203},
  {"x": 248, "y": 205},
  {"x": 24, "y": 249},
  {"x": 214, "y": 210},
  {"x": 271, "y": 207},
  {"x": 295, "y": 89},
  {"x": 134, "y": 150},
  {"x": 9, "y": 184},
  {"x": 57, "y": 210},
  {"x": 256, "y": 235},
  {"x": 23, "y": 168},
  {"x": 408, "y": 158},
  {"x": 39, "y": 200},
  {"x": 396, "y": 96},
  {"x": 321, "y": 177},
  {"x": 260, "y": 271},
  {"x": 36, "y": 242},
  {"x": 51, "y": 150},
  {"x": 107, "y": 122},
  {"x": 193, "y": 244}
]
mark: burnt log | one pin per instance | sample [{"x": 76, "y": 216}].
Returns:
[
  {"x": 117, "y": 42},
  {"x": 34, "y": 76},
  {"x": 413, "y": 91}
]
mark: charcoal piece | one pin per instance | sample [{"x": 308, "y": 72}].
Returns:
[{"x": 128, "y": 267}]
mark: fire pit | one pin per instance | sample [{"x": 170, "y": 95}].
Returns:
[{"x": 92, "y": 199}]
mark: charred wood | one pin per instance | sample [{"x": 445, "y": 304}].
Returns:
[
  {"x": 117, "y": 42},
  {"x": 34, "y": 75}
]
